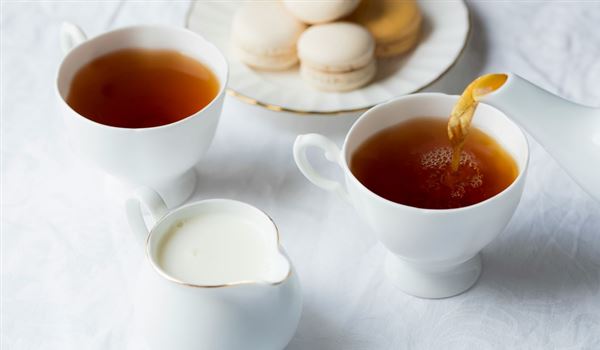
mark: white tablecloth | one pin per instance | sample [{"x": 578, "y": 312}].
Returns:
[{"x": 69, "y": 261}]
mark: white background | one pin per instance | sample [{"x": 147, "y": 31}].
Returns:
[{"x": 69, "y": 262}]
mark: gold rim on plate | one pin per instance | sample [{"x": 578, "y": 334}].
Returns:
[{"x": 252, "y": 101}]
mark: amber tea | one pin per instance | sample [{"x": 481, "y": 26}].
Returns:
[
  {"x": 410, "y": 163},
  {"x": 139, "y": 88}
]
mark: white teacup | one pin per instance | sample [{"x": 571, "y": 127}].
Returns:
[
  {"x": 434, "y": 253},
  {"x": 257, "y": 313},
  {"x": 161, "y": 157}
]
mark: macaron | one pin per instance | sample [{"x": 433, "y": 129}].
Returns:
[
  {"x": 337, "y": 56},
  {"x": 264, "y": 35},
  {"x": 395, "y": 25},
  {"x": 319, "y": 11}
]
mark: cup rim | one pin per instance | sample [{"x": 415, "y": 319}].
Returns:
[
  {"x": 161, "y": 272},
  {"x": 520, "y": 177},
  {"x": 90, "y": 41}
]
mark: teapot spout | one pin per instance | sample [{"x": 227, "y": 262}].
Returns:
[{"x": 568, "y": 131}]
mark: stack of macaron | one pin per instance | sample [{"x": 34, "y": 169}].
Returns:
[{"x": 334, "y": 55}]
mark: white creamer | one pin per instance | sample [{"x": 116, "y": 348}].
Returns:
[
  {"x": 216, "y": 277},
  {"x": 214, "y": 249}
]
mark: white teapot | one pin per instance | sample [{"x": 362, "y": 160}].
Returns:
[
  {"x": 220, "y": 314},
  {"x": 568, "y": 131}
]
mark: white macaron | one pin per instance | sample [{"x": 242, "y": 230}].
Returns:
[
  {"x": 319, "y": 11},
  {"x": 264, "y": 35},
  {"x": 337, "y": 56}
]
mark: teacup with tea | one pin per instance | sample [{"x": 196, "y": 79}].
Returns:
[
  {"x": 143, "y": 103},
  {"x": 432, "y": 215}
]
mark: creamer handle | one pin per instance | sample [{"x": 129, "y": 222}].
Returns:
[
  {"x": 153, "y": 203},
  {"x": 70, "y": 36},
  {"x": 332, "y": 153}
]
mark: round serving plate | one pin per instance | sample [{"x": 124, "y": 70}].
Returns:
[{"x": 444, "y": 34}]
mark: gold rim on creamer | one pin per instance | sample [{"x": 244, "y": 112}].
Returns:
[
  {"x": 170, "y": 278},
  {"x": 277, "y": 108}
]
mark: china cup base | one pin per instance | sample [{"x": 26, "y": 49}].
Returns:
[
  {"x": 177, "y": 190},
  {"x": 174, "y": 191},
  {"x": 432, "y": 282}
]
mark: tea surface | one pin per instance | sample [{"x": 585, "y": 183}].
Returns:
[
  {"x": 410, "y": 163},
  {"x": 139, "y": 88}
]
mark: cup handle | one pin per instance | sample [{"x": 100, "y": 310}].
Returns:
[
  {"x": 332, "y": 154},
  {"x": 70, "y": 36},
  {"x": 152, "y": 202}
]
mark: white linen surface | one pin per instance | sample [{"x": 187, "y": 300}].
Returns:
[{"x": 69, "y": 261}]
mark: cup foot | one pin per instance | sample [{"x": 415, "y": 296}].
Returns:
[
  {"x": 176, "y": 191},
  {"x": 432, "y": 282}
]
